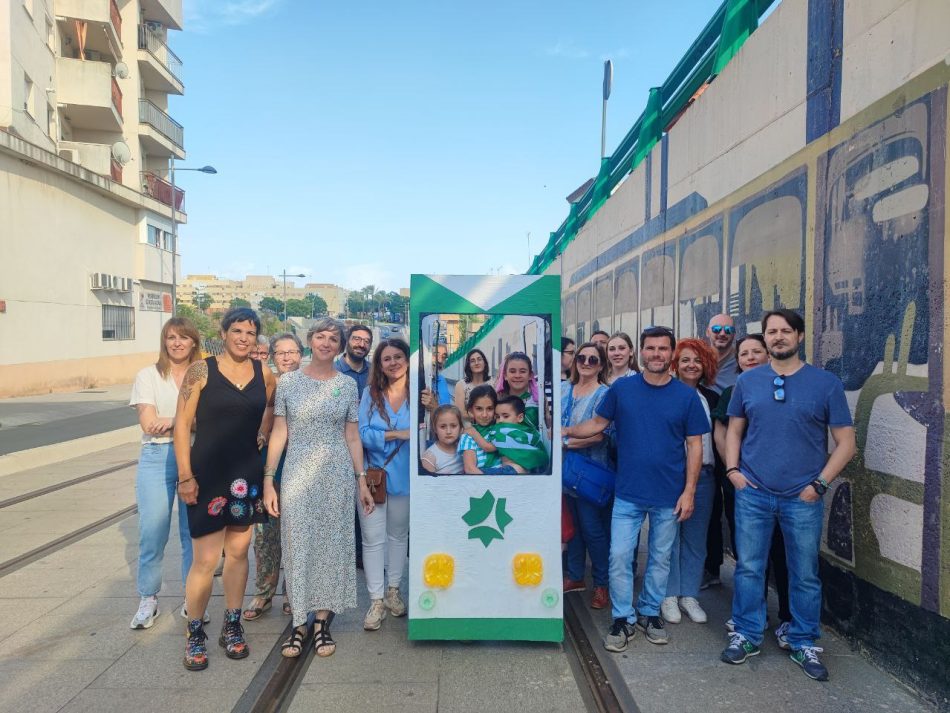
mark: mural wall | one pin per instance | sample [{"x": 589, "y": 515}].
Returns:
[{"x": 850, "y": 232}]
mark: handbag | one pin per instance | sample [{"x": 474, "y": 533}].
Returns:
[
  {"x": 583, "y": 477},
  {"x": 376, "y": 478}
]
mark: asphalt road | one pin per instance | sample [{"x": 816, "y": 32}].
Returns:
[{"x": 31, "y": 425}]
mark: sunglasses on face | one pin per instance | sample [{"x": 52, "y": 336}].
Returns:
[
  {"x": 588, "y": 360},
  {"x": 725, "y": 329},
  {"x": 779, "y": 393}
]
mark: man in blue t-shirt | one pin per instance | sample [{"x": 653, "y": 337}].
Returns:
[
  {"x": 654, "y": 415},
  {"x": 777, "y": 458}
]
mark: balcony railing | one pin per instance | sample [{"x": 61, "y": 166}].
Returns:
[
  {"x": 161, "y": 190},
  {"x": 168, "y": 59},
  {"x": 115, "y": 170},
  {"x": 116, "y": 96},
  {"x": 116, "y": 17},
  {"x": 152, "y": 115}
]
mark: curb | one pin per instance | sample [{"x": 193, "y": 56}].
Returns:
[{"x": 58, "y": 452}]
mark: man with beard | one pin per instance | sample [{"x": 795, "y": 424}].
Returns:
[
  {"x": 653, "y": 416},
  {"x": 353, "y": 361},
  {"x": 721, "y": 335},
  {"x": 777, "y": 458}
]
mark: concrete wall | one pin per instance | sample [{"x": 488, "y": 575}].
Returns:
[{"x": 812, "y": 175}]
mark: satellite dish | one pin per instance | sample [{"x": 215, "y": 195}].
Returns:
[
  {"x": 121, "y": 152},
  {"x": 121, "y": 70}
]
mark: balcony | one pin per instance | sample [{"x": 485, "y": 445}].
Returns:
[
  {"x": 161, "y": 190},
  {"x": 94, "y": 157},
  {"x": 104, "y": 31},
  {"x": 167, "y": 12},
  {"x": 160, "y": 67},
  {"x": 160, "y": 134},
  {"x": 92, "y": 97}
]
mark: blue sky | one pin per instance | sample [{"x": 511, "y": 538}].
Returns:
[{"x": 361, "y": 142}]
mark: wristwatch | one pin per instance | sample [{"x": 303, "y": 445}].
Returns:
[
  {"x": 361, "y": 473},
  {"x": 820, "y": 486}
]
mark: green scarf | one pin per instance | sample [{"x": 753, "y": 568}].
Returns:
[{"x": 518, "y": 442}]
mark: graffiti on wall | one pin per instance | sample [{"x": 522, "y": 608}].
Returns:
[{"x": 876, "y": 322}]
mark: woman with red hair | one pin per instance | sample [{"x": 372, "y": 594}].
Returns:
[{"x": 695, "y": 364}]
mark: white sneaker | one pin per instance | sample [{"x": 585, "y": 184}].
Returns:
[
  {"x": 206, "y": 619},
  {"x": 781, "y": 635},
  {"x": 394, "y": 602},
  {"x": 693, "y": 610},
  {"x": 375, "y": 615},
  {"x": 147, "y": 613},
  {"x": 670, "y": 611}
]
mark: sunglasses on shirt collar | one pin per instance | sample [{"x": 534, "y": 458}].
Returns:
[{"x": 778, "y": 392}]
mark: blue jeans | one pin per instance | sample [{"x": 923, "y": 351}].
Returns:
[
  {"x": 757, "y": 512},
  {"x": 156, "y": 484},
  {"x": 592, "y": 536},
  {"x": 625, "y": 526},
  {"x": 689, "y": 548}
]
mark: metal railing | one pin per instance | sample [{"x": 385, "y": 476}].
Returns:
[
  {"x": 159, "y": 50},
  {"x": 161, "y": 190},
  {"x": 155, "y": 117},
  {"x": 116, "y": 97}
]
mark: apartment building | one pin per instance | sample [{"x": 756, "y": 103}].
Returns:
[
  {"x": 86, "y": 140},
  {"x": 254, "y": 288}
]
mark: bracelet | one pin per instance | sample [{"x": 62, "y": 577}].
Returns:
[
  {"x": 182, "y": 482},
  {"x": 270, "y": 472},
  {"x": 269, "y": 475},
  {"x": 734, "y": 468},
  {"x": 361, "y": 474}
]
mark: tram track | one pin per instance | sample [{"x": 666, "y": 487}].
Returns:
[
  {"x": 15, "y": 563},
  {"x": 273, "y": 687},
  {"x": 64, "y": 484}
]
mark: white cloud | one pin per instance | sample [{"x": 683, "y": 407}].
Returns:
[
  {"x": 206, "y": 15},
  {"x": 355, "y": 277},
  {"x": 567, "y": 50}
]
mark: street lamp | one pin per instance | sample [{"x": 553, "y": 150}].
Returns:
[
  {"x": 203, "y": 169},
  {"x": 285, "y": 276}
]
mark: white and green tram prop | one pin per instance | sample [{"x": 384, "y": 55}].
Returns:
[{"x": 485, "y": 550}]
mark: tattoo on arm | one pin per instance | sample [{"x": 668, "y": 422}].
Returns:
[{"x": 197, "y": 373}]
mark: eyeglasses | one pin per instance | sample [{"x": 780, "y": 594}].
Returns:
[
  {"x": 724, "y": 328},
  {"x": 362, "y": 340},
  {"x": 569, "y": 352},
  {"x": 779, "y": 393},
  {"x": 588, "y": 360},
  {"x": 289, "y": 352}
]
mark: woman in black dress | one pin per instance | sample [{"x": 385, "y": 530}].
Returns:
[{"x": 219, "y": 476}]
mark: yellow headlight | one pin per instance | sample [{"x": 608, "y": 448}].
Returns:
[
  {"x": 438, "y": 570},
  {"x": 528, "y": 569}
]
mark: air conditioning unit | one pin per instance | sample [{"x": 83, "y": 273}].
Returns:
[
  {"x": 106, "y": 281},
  {"x": 95, "y": 281},
  {"x": 69, "y": 155}
]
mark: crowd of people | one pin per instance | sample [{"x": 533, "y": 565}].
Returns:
[{"x": 688, "y": 430}]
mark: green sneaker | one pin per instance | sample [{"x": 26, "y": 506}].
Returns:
[
  {"x": 807, "y": 658},
  {"x": 739, "y": 649}
]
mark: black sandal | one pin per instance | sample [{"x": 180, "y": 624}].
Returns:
[
  {"x": 294, "y": 643},
  {"x": 323, "y": 643}
]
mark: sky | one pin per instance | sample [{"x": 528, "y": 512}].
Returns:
[{"x": 358, "y": 143}]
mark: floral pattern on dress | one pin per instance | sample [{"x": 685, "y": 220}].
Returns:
[
  {"x": 254, "y": 491},
  {"x": 239, "y": 488},
  {"x": 216, "y": 506},
  {"x": 238, "y": 509}
]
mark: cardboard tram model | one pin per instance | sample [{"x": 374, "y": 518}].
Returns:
[{"x": 485, "y": 554}]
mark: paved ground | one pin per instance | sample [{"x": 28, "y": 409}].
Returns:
[
  {"x": 65, "y": 644},
  {"x": 34, "y": 421}
]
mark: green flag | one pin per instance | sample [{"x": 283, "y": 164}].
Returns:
[{"x": 520, "y": 443}]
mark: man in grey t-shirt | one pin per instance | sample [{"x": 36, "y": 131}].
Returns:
[{"x": 721, "y": 335}]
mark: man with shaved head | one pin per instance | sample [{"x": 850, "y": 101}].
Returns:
[{"x": 721, "y": 335}]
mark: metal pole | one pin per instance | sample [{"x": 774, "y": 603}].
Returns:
[
  {"x": 285, "y": 297},
  {"x": 603, "y": 130},
  {"x": 174, "y": 245}
]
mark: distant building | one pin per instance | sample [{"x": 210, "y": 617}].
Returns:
[
  {"x": 254, "y": 288},
  {"x": 85, "y": 144}
]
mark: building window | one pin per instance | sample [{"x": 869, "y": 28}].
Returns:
[
  {"x": 28, "y": 90},
  {"x": 118, "y": 322},
  {"x": 161, "y": 239}
]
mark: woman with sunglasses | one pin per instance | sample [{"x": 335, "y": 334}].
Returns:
[
  {"x": 621, "y": 357},
  {"x": 695, "y": 364},
  {"x": 750, "y": 354},
  {"x": 579, "y": 398}
]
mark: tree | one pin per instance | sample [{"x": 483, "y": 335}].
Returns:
[
  {"x": 239, "y": 302},
  {"x": 355, "y": 304},
  {"x": 272, "y": 305},
  {"x": 202, "y": 300},
  {"x": 398, "y": 305},
  {"x": 318, "y": 305},
  {"x": 205, "y": 326},
  {"x": 298, "y": 308}
]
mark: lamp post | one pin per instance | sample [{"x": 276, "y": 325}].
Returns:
[
  {"x": 285, "y": 276},
  {"x": 203, "y": 169}
]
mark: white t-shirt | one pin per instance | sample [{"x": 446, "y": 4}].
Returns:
[
  {"x": 151, "y": 388},
  {"x": 445, "y": 463}
]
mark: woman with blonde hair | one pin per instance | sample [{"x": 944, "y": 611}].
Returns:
[{"x": 155, "y": 397}]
